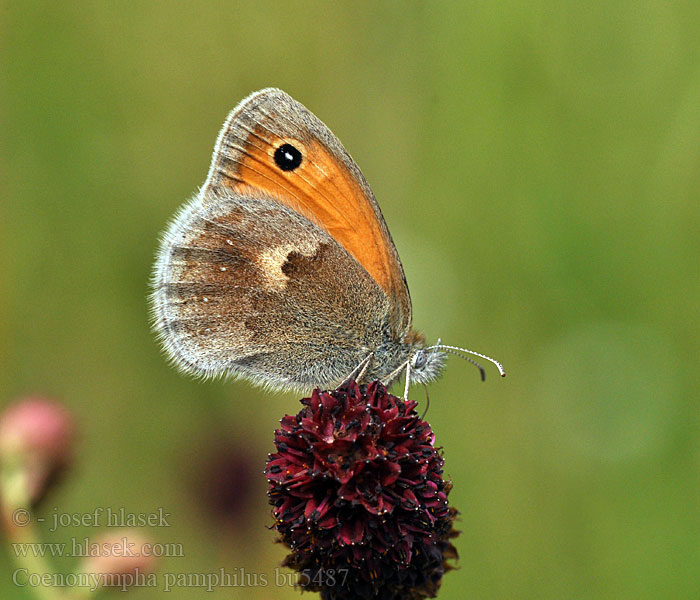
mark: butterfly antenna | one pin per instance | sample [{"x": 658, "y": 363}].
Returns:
[
  {"x": 436, "y": 346},
  {"x": 456, "y": 349},
  {"x": 482, "y": 371},
  {"x": 427, "y": 402}
]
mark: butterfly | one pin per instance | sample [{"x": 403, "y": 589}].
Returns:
[{"x": 282, "y": 269}]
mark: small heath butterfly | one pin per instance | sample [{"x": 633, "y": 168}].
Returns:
[{"x": 282, "y": 269}]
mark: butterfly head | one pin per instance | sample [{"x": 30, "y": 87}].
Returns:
[{"x": 426, "y": 364}]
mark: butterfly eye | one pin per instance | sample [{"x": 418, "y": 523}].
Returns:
[
  {"x": 287, "y": 157},
  {"x": 419, "y": 359}
]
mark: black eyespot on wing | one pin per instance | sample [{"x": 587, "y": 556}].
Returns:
[{"x": 287, "y": 157}]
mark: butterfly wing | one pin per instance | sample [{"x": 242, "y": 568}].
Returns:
[
  {"x": 247, "y": 286},
  {"x": 327, "y": 187},
  {"x": 286, "y": 275}
]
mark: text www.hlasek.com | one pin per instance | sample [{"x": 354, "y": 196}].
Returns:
[{"x": 85, "y": 548}]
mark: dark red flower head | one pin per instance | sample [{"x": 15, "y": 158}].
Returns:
[{"x": 358, "y": 495}]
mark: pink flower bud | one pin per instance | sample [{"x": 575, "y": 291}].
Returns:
[
  {"x": 36, "y": 436},
  {"x": 119, "y": 559}
]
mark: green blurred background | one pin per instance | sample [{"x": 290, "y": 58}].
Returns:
[{"x": 538, "y": 164}]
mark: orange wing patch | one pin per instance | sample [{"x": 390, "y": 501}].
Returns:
[{"x": 325, "y": 192}]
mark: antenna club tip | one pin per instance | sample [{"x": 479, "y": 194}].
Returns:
[{"x": 503, "y": 374}]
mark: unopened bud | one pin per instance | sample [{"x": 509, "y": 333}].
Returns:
[
  {"x": 119, "y": 559},
  {"x": 36, "y": 439}
]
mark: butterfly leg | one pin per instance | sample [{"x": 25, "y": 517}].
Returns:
[
  {"x": 396, "y": 373},
  {"x": 408, "y": 380},
  {"x": 359, "y": 371}
]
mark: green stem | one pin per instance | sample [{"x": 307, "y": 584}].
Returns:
[{"x": 20, "y": 523}]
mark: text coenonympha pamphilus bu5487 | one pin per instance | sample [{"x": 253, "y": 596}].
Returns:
[{"x": 282, "y": 269}]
